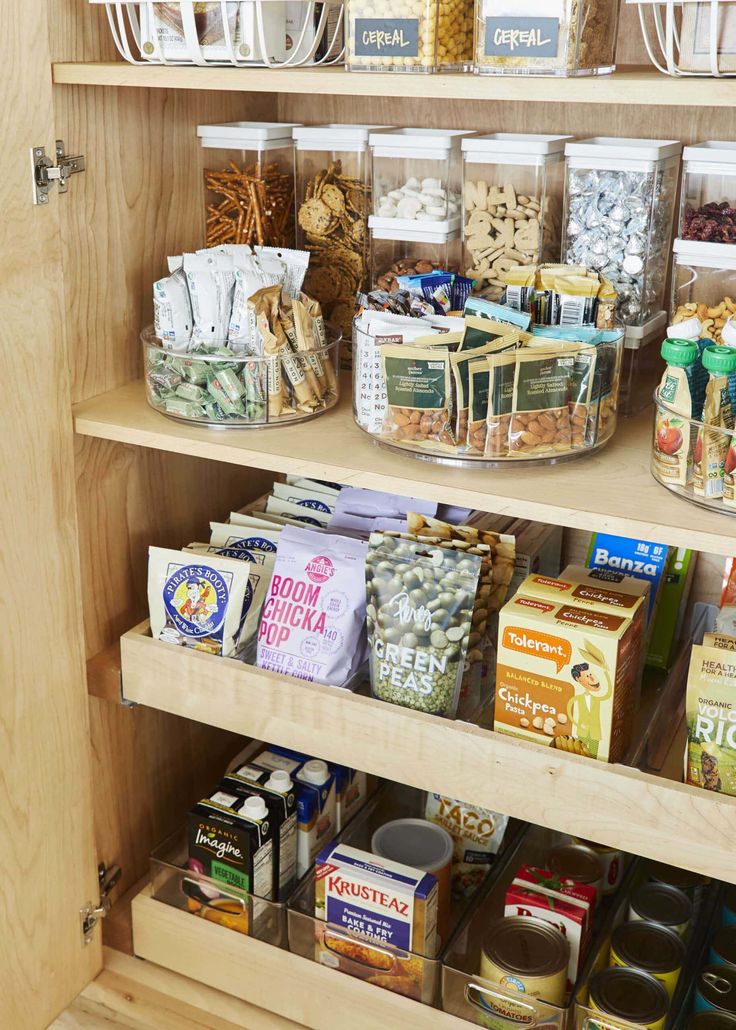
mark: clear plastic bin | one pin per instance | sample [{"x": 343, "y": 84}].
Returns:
[
  {"x": 619, "y": 206},
  {"x": 546, "y": 37},
  {"x": 227, "y": 391},
  {"x": 421, "y": 36},
  {"x": 248, "y": 172},
  {"x": 641, "y": 367},
  {"x": 417, "y": 176},
  {"x": 415, "y": 253},
  {"x": 708, "y": 193},
  {"x": 332, "y": 208},
  {"x": 512, "y": 204},
  {"x": 704, "y": 285}
]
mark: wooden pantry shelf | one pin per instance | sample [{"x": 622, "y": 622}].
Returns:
[
  {"x": 611, "y": 491},
  {"x": 613, "y": 804},
  {"x": 643, "y": 86}
]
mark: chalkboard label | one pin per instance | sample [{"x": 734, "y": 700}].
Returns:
[
  {"x": 386, "y": 37},
  {"x": 522, "y": 37}
]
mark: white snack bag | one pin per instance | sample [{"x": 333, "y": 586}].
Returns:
[
  {"x": 250, "y": 277},
  {"x": 375, "y": 504},
  {"x": 363, "y": 525},
  {"x": 172, "y": 311},
  {"x": 258, "y": 538},
  {"x": 296, "y": 262},
  {"x": 298, "y": 511},
  {"x": 195, "y": 600},
  {"x": 315, "y": 484},
  {"x": 252, "y": 519},
  {"x": 313, "y": 619},
  {"x": 211, "y": 282},
  {"x": 306, "y": 497}
]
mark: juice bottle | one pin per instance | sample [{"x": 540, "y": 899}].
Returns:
[
  {"x": 672, "y": 458},
  {"x": 712, "y": 447}
]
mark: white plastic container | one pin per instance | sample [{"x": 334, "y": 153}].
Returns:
[
  {"x": 415, "y": 252},
  {"x": 641, "y": 366},
  {"x": 689, "y": 37},
  {"x": 704, "y": 286},
  {"x": 708, "y": 193},
  {"x": 510, "y": 175},
  {"x": 254, "y": 163},
  {"x": 416, "y": 175},
  {"x": 619, "y": 206}
]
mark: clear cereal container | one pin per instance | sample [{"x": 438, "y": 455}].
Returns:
[
  {"x": 332, "y": 208},
  {"x": 512, "y": 204},
  {"x": 410, "y": 36},
  {"x": 618, "y": 212},
  {"x": 704, "y": 288},
  {"x": 708, "y": 194},
  {"x": 248, "y": 170},
  {"x": 545, "y": 37},
  {"x": 418, "y": 252}
]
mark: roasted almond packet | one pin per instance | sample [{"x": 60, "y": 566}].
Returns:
[
  {"x": 419, "y": 395},
  {"x": 582, "y": 382},
  {"x": 502, "y": 375},
  {"x": 479, "y": 380},
  {"x": 459, "y": 364},
  {"x": 540, "y": 417},
  {"x": 481, "y": 331}
]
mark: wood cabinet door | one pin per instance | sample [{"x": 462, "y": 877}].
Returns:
[{"x": 47, "y": 862}]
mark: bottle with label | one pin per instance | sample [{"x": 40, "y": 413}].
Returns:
[
  {"x": 672, "y": 457},
  {"x": 712, "y": 447},
  {"x": 230, "y": 840},
  {"x": 691, "y": 330},
  {"x": 316, "y": 801}
]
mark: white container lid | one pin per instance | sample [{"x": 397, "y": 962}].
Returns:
[
  {"x": 414, "y": 842},
  {"x": 425, "y": 144},
  {"x": 412, "y": 231},
  {"x": 254, "y": 808},
  {"x": 334, "y": 136},
  {"x": 279, "y": 780},
  {"x": 705, "y": 255},
  {"x": 638, "y": 336},
  {"x": 247, "y": 135},
  {"x": 711, "y": 152},
  {"x": 314, "y": 771},
  {"x": 620, "y": 153},
  {"x": 513, "y": 147}
]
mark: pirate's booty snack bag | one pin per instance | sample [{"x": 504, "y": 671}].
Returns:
[
  {"x": 197, "y": 600},
  {"x": 564, "y": 675}
]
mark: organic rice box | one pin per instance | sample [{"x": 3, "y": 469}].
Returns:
[{"x": 710, "y": 760}]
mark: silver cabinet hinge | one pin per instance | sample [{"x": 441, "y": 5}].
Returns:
[
  {"x": 91, "y": 914},
  {"x": 45, "y": 173}
]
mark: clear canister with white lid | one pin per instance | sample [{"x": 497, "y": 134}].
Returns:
[
  {"x": 708, "y": 193},
  {"x": 416, "y": 251},
  {"x": 248, "y": 170},
  {"x": 512, "y": 204},
  {"x": 409, "y": 36},
  {"x": 704, "y": 291},
  {"x": 618, "y": 212}
]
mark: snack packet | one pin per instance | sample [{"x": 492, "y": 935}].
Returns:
[
  {"x": 479, "y": 307},
  {"x": 311, "y": 514},
  {"x": 196, "y": 601},
  {"x": 419, "y": 395},
  {"x": 310, "y": 332},
  {"x": 294, "y": 261},
  {"x": 519, "y": 291},
  {"x": 577, "y": 299},
  {"x": 459, "y": 363},
  {"x": 477, "y": 835},
  {"x": 540, "y": 419},
  {"x": 172, "y": 312},
  {"x": 307, "y": 497},
  {"x": 502, "y": 374},
  {"x": 479, "y": 379},
  {"x": 314, "y": 615},
  {"x": 211, "y": 282},
  {"x": 376, "y": 504}
]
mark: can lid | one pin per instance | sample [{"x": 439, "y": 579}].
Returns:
[
  {"x": 629, "y": 994},
  {"x": 662, "y": 903},
  {"x": 682, "y": 878},
  {"x": 648, "y": 946},
  {"x": 254, "y": 807},
  {"x": 679, "y": 353},
  {"x": 279, "y": 780},
  {"x": 314, "y": 771},
  {"x": 526, "y": 946},
  {"x": 575, "y": 862},
  {"x": 717, "y": 984},
  {"x": 721, "y": 360},
  {"x": 414, "y": 842},
  {"x": 712, "y": 1020},
  {"x": 724, "y": 944}
]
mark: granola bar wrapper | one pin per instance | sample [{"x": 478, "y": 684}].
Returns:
[
  {"x": 317, "y": 383},
  {"x": 311, "y": 336},
  {"x": 264, "y": 305}
]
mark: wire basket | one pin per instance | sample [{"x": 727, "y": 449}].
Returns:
[
  {"x": 243, "y": 33},
  {"x": 690, "y": 37}
]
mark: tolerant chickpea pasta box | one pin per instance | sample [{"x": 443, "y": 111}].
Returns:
[{"x": 564, "y": 676}]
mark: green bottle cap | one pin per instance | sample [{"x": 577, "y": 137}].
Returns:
[
  {"x": 679, "y": 352},
  {"x": 720, "y": 360}
]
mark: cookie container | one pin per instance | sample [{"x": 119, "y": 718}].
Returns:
[
  {"x": 545, "y": 37},
  {"x": 416, "y": 175},
  {"x": 256, "y": 33},
  {"x": 248, "y": 172},
  {"x": 332, "y": 206},
  {"x": 417, "y": 252},
  {"x": 704, "y": 287},
  {"x": 416, "y": 36},
  {"x": 708, "y": 193},
  {"x": 512, "y": 204},
  {"x": 220, "y": 389},
  {"x": 618, "y": 212}
]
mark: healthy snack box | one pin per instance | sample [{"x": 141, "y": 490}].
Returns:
[
  {"x": 563, "y": 676},
  {"x": 720, "y": 640},
  {"x": 710, "y": 759}
]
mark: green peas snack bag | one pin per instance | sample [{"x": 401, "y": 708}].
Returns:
[{"x": 419, "y": 612}]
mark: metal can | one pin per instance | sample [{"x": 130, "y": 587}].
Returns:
[
  {"x": 715, "y": 990},
  {"x": 723, "y": 947},
  {"x": 711, "y": 1020},
  {"x": 629, "y": 995},
  {"x": 612, "y": 861},
  {"x": 576, "y": 862},
  {"x": 527, "y": 955},
  {"x": 653, "y": 949},
  {"x": 690, "y": 883},
  {"x": 662, "y": 904},
  {"x": 728, "y": 908}
]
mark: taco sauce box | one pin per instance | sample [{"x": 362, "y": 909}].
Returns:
[
  {"x": 563, "y": 676},
  {"x": 710, "y": 760}
]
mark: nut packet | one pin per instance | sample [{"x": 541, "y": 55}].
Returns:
[
  {"x": 502, "y": 374},
  {"x": 540, "y": 418},
  {"x": 172, "y": 311},
  {"x": 211, "y": 282},
  {"x": 607, "y": 301},
  {"x": 309, "y": 364},
  {"x": 459, "y": 363},
  {"x": 313, "y": 619},
  {"x": 477, "y": 835},
  {"x": 479, "y": 332},
  {"x": 419, "y": 615},
  {"x": 196, "y": 601},
  {"x": 479, "y": 380},
  {"x": 582, "y": 381},
  {"x": 419, "y": 395}
]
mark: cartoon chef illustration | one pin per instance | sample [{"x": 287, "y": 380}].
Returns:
[
  {"x": 584, "y": 708},
  {"x": 195, "y": 608}
]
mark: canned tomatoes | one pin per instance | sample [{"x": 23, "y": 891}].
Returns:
[
  {"x": 688, "y": 882},
  {"x": 662, "y": 904},
  {"x": 576, "y": 862},
  {"x": 651, "y": 948},
  {"x": 526, "y": 955},
  {"x": 612, "y": 861},
  {"x": 631, "y": 996},
  {"x": 715, "y": 990}
]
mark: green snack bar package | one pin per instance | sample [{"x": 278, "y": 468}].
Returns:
[
  {"x": 673, "y": 600},
  {"x": 419, "y": 611},
  {"x": 419, "y": 394}
]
